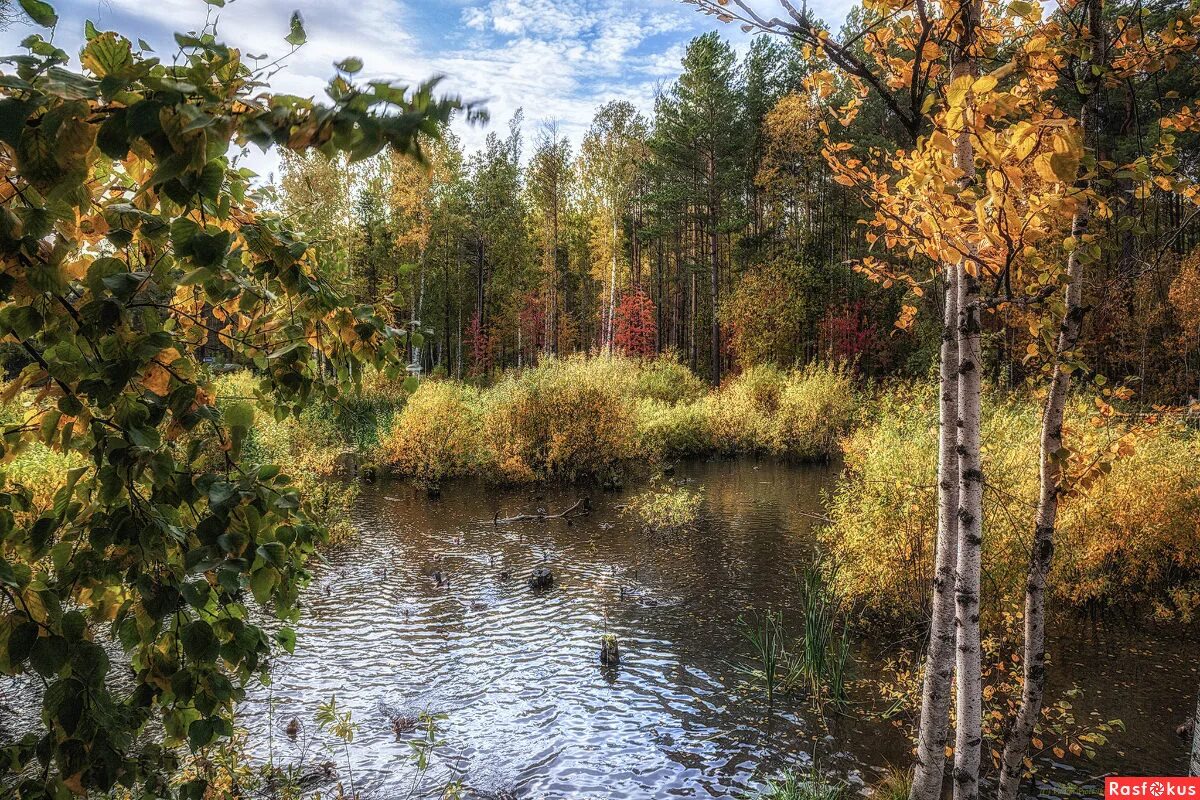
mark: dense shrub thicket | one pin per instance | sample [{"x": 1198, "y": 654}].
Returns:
[
  {"x": 1133, "y": 535},
  {"x": 581, "y": 417}
]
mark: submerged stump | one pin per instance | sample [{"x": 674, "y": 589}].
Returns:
[
  {"x": 542, "y": 578},
  {"x": 610, "y": 653}
]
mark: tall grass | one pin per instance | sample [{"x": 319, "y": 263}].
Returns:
[
  {"x": 815, "y": 662},
  {"x": 826, "y": 637},
  {"x": 764, "y": 634}
]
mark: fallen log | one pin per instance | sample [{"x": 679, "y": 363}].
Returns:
[{"x": 582, "y": 507}]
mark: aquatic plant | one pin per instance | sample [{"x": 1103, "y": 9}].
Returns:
[
  {"x": 763, "y": 631},
  {"x": 666, "y": 507},
  {"x": 342, "y": 726},
  {"x": 792, "y": 785},
  {"x": 825, "y": 640}
]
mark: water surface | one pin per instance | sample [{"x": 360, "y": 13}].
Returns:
[{"x": 530, "y": 713}]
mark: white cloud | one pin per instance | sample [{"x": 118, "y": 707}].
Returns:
[{"x": 557, "y": 59}]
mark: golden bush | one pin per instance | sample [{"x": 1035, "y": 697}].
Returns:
[
  {"x": 1132, "y": 536},
  {"x": 817, "y": 405},
  {"x": 436, "y": 436}
]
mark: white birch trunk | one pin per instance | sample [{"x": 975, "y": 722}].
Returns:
[
  {"x": 612, "y": 289},
  {"x": 930, "y": 767},
  {"x": 1194, "y": 767},
  {"x": 969, "y": 717},
  {"x": 1016, "y": 746}
]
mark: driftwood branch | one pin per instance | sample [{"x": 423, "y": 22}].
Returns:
[{"x": 582, "y": 507}]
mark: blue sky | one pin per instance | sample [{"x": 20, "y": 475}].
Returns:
[{"x": 557, "y": 59}]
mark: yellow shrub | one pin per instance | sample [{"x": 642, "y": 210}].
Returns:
[
  {"x": 883, "y": 507},
  {"x": 666, "y": 430},
  {"x": 1134, "y": 536},
  {"x": 816, "y": 406},
  {"x": 741, "y": 416},
  {"x": 567, "y": 418},
  {"x": 35, "y": 466},
  {"x": 668, "y": 381},
  {"x": 666, "y": 508},
  {"x": 436, "y": 436}
]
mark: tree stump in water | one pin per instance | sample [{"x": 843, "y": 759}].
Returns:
[
  {"x": 542, "y": 578},
  {"x": 610, "y": 653}
]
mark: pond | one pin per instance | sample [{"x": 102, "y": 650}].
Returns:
[{"x": 530, "y": 712}]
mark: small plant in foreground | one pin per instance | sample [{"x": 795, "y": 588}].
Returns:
[
  {"x": 340, "y": 724},
  {"x": 791, "y": 785},
  {"x": 896, "y": 784}
]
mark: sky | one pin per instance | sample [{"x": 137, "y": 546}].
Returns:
[{"x": 558, "y": 60}]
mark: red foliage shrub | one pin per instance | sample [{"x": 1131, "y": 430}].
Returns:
[{"x": 636, "y": 325}]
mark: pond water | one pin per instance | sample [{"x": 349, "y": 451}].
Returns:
[{"x": 530, "y": 712}]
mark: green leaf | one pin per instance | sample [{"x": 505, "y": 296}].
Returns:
[
  {"x": 262, "y": 583},
  {"x": 48, "y": 655},
  {"x": 273, "y": 553},
  {"x": 21, "y": 641},
  {"x": 107, "y": 54},
  {"x": 40, "y": 12},
  {"x": 350, "y": 65},
  {"x": 200, "y": 733},
  {"x": 297, "y": 36},
  {"x": 199, "y": 641},
  {"x": 13, "y": 114},
  {"x": 286, "y": 638}
]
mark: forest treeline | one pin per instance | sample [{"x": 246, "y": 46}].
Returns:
[{"x": 715, "y": 229}]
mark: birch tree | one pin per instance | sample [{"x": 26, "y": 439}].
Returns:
[
  {"x": 968, "y": 742},
  {"x": 905, "y": 82},
  {"x": 1052, "y": 462},
  {"x": 1194, "y": 761},
  {"x": 608, "y": 167}
]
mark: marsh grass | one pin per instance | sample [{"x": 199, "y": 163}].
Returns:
[
  {"x": 792, "y": 785},
  {"x": 815, "y": 662}
]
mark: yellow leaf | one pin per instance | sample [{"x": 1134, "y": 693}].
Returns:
[
  {"x": 157, "y": 380},
  {"x": 984, "y": 84}
]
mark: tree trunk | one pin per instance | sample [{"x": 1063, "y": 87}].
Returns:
[
  {"x": 715, "y": 271},
  {"x": 1194, "y": 767},
  {"x": 1016, "y": 746},
  {"x": 939, "y": 664},
  {"x": 969, "y": 718},
  {"x": 612, "y": 291},
  {"x": 969, "y": 735}
]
